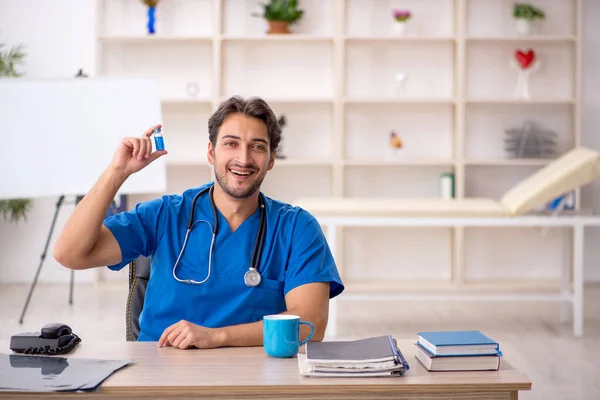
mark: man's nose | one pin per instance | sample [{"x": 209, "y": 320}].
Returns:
[{"x": 244, "y": 155}]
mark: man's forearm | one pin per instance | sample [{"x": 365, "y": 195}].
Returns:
[
  {"x": 251, "y": 334},
  {"x": 81, "y": 230},
  {"x": 244, "y": 335}
]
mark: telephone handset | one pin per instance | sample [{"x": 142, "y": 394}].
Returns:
[{"x": 54, "y": 338}]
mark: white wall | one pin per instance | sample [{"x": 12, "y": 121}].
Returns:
[{"x": 60, "y": 38}]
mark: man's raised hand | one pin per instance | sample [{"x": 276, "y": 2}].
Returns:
[{"x": 135, "y": 153}]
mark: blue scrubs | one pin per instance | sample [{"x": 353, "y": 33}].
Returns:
[{"x": 295, "y": 253}]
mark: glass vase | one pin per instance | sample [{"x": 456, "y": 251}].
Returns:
[{"x": 151, "y": 20}]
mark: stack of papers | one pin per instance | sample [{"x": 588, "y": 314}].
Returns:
[{"x": 375, "y": 356}]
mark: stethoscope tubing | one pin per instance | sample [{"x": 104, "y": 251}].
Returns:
[{"x": 258, "y": 243}]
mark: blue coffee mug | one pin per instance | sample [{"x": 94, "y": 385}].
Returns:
[{"x": 281, "y": 335}]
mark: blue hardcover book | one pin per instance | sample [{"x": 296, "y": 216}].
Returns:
[{"x": 458, "y": 343}]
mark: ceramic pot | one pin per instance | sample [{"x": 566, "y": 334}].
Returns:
[
  {"x": 278, "y": 27},
  {"x": 400, "y": 28},
  {"x": 524, "y": 27}
]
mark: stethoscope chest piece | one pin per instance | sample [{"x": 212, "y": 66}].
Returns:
[{"x": 252, "y": 277}]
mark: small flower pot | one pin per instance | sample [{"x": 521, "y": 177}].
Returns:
[
  {"x": 278, "y": 27},
  {"x": 523, "y": 26},
  {"x": 400, "y": 28}
]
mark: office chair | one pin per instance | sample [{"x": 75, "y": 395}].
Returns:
[{"x": 139, "y": 274}]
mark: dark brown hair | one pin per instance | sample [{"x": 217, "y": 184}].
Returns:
[{"x": 254, "y": 107}]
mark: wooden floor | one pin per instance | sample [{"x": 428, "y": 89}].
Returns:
[{"x": 530, "y": 335}]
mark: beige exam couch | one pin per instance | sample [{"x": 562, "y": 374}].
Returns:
[{"x": 574, "y": 169}]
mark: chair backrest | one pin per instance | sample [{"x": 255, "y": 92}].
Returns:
[{"x": 139, "y": 274}]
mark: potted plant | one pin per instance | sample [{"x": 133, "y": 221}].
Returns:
[
  {"x": 401, "y": 18},
  {"x": 281, "y": 14},
  {"x": 13, "y": 209},
  {"x": 524, "y": 14}
]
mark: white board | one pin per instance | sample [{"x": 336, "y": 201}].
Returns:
[{"x": 59, "y": 135}]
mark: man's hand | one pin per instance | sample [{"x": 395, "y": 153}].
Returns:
[
  {"x": 185, "y": 334},
  {"x": 135, "y": 153}
]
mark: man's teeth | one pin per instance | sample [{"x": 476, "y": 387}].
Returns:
[{"x": 241, "y": 173}]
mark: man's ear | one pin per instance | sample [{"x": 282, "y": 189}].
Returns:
[
  {"x": 272, "y": 160},
  {"x": 210, "y": 155}
]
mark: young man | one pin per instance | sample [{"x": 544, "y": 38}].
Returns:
[{"x": 200, "y": 291}]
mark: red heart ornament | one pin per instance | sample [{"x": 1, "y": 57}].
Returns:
[{"x": 525, "y": 59}]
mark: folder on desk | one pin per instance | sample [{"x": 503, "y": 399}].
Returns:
[
  {"x": 374, "y": 356},
  {"x": 32, "y": 373}
]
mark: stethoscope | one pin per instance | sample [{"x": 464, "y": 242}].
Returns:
[{"x": 252, "y": 276}]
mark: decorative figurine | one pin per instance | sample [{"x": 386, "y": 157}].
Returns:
[
  {"x": 395, "y": 144},
  {"x": 192, "y": 89},
  {"x": 399, "y": 86},
  {"x": 280, "y": 154},
  {"x": 530, "y": 141},
  {"x": 524, "y": 64},
  {"x": 81, "y": 74}
]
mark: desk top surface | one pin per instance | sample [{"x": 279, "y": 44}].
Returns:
[{"x": 249, "y": 370}]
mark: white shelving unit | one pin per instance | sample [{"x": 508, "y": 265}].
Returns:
[{"x": 333, "y": 78}]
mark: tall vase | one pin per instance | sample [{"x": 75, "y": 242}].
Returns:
[{"x": 151, "y": 20}]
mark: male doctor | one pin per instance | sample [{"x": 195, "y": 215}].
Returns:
[{"x": 200, "y": 295}]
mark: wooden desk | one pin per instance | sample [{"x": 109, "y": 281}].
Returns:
[{"x": 236, "y": 373}]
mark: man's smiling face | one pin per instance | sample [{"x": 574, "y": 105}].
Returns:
[{"x": 241, "y": 155}]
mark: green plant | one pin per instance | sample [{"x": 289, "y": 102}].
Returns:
[
  {"x": 9, "y": 59},
  {"x": 527, "y": 11},
  {"x": 14, "y": 209},
  {"x": 281, "y": 10}
]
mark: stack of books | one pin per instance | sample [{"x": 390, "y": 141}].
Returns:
[
  {"x": 374, "y": 356},
  {"x": 458, "y": 351}
]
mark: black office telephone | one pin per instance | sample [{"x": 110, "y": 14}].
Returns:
[{"x": 55, "y": 338}]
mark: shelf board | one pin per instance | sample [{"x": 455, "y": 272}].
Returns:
[
  {"x": 278, "y": 162},
  {"x": 438, "y": 287},
  {"x": 185, "y": 100},
  {"x": 381, "y": 162},
  {"x": 292, "y": 162},
  {"x": 533, "y": 38},
  {"x": 292, "y": 100},
  {"x": 520, "y": 101},
  {"x": 293, "y": 37},
  {"x": 391, "y": 38},
  {"x": 157, "y": 39},
  {"x": 516, "y": 162},
  {"x": 174, "y": 162},
  {"x": 393, "y": 100}
]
